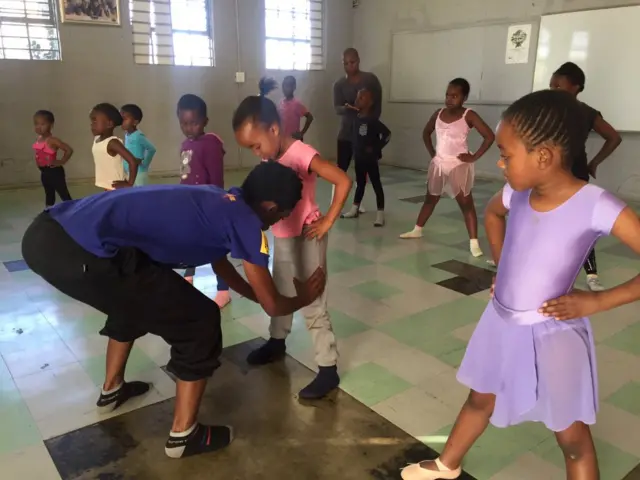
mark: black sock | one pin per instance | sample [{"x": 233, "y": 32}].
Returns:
[
  {"x": 326, "y": 381},
  {"x": 271, "y": 351},
  {"x": 201, "y": 439},
  {"x": 110, "y": 401}
]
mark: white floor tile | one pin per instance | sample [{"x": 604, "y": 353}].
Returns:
[
  {"x": 446, "y": 388},
  {"x": 61, "y": 389},
  {"x": 621, "y": 429},
  {"x": 155, "y": 348},
  {"x": 418, "y": 414},
  {"x": 47, "y": 356},
  {"x": 411, "y": 365},
  {"x": 87, "y": 347},
  {"x": 366, "y": 347},
  {"x": 30, "y": 463}
]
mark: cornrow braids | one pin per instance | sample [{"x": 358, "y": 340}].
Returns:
[{"x": 549, "y": 117}]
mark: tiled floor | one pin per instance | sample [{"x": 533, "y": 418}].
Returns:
[{"x": 403, "y": 312}]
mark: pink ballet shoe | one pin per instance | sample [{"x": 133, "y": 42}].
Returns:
[
  {"x": 189, "y": 280},
  {"x": 223, "y": 298},
  {"x": 416, "y": 472}
]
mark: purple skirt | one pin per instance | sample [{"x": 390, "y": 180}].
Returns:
[{"x": 544, "y": 372}]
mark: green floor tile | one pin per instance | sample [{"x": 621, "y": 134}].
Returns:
[
  {"x": 138, "y": 362},
  {"x": 420, "y": 264},
  {"x": 344, "y": 326},
  {"x": 627, "y": 398},
  {"x": 614, "y": 463},
  {"x": 371, "y": 384},
  {"x": 339, "y": 261},
  {"x": 431, "y": 328},
  {"x": 375, "y": 290},
  {"x": 19, "y": 430},
  {"x": 627, "y": 340},
  {"x": 241, "y": 307},
  {"x": 234, "y": 332}
]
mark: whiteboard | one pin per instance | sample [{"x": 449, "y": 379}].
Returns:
[
  {"x": 606, "y": 45},
  {"x": 424, "y": 62}
]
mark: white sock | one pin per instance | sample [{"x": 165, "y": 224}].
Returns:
[
  {"x": 474, "y": 247},
  {"x": 379, "y": 218},
  {"x": 113, "y": 390},
  {"x": 352, "y": 213},
  {"x": 415, "y": 233},
  {"x": 186, "y": 433}
]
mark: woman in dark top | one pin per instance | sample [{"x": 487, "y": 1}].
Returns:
[
  {"x": 570, "y": 78},
  {"x": 345, "y": 91}
]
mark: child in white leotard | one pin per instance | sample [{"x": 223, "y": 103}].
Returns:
[
  {"x": 109, "y": 151},
  {"x": 451, "y": 169}
]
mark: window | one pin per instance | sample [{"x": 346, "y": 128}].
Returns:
[
  {"x": 172, "y": 32},
  {"x": 294, "y": 35},
  {"x": 29, "y": 30}
]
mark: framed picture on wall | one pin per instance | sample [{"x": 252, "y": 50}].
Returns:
[{"x": 93, "y": 12}]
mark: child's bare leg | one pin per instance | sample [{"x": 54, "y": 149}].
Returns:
[
  {"x": 472, "y": 421},
  {"x": 426, "y": 211},
  {"x": 468, "y": 209},
  {"x": 579, "y": 452}
]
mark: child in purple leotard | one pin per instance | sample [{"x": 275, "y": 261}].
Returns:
[{"x": 532, "y": 356}]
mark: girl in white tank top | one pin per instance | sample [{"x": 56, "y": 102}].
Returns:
[{"x": 108, "y": 150}]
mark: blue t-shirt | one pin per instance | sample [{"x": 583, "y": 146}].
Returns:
[{"x": 176, "y": 225}]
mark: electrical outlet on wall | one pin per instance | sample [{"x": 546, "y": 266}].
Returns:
[
  {"x": 240, "y": 77},
  {"x": 355, "y": 3}
]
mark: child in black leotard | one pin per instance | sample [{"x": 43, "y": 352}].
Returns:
[{"x": 570, "y": 78}]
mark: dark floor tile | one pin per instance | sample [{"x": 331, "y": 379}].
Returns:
[
  {"x": 16, "y": 266},
  {"x": 633, "y": 474},
  {"x": 418, "y": 199},
  {"x": 277, "y": 436},
  {"x": 465, "y": 270},
  {"x": 466, "y": 286}
]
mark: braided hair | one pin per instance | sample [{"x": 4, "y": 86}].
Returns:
[
  {"x": 258, "y": 108},
  {"x": 549, "y": 117}
]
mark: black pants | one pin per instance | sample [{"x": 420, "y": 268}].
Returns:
[
  {"x": 368, "y": 167},
  {"x": 54, "y": 180},
  {"x": 590, "y": 266},
  {"x": 345, "y": 153},
  {"x": 138, "y": 295}
]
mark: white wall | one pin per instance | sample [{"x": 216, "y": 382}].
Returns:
[
  {"x": 98, "y": 67},
  {"x": 376, "y": 19}
]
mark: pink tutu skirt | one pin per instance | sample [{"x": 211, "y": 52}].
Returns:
[
  {"x": 450, "y": 176},
  {"x": 545, "y": 372}
]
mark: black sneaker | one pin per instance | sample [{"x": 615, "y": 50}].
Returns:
[
  {"x": 326, "y": 381},
  {"x": 110, "y": 401},
  {"x": 203, "y": 439},
  {"x": 273, "y": 350}
]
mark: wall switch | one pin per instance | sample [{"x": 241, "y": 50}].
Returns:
[{"x": 240, "y": 77}]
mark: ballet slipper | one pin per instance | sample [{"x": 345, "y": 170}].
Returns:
[
  {"x": 189, "y": 280},
  {"x": 415, "y": 472}
]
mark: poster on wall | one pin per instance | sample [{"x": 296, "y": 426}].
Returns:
[
  {"x": 93, "y": 12},
  {"x": 518, "y": 44}
]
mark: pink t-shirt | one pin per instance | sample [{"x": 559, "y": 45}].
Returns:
[
  {"x": 298, "y": 157},
  {"x": 291, "y": 112}
]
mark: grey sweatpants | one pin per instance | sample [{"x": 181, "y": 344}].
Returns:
[{"x": 298, "y": 257}]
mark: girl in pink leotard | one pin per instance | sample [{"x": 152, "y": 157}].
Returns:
[
  {"x": 451, "y": 169},
  {"x": 45, "y": 150},
  {"x": 532, "y": 355}
]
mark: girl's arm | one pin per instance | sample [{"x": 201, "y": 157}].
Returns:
[
  {"x": 308, "y": 120},
  {"x": 495, "y": 224},
  {"x": 334, "y": 175},
  {"x": 429, "y": 128},
  {"x": 581, "y": 304},
  {"x": 385, "y": 135},
  {"x": 115, "y": 147},
  {"x": 475, "y": 121},
  {"x": 149, "y": 151},
  {"x": 612, "y": 140},
  {"x": 58, "y": 144}
]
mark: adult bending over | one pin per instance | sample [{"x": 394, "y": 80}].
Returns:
[{"x": 116, "y": 252}]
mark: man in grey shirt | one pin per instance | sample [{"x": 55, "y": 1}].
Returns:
[{"x": 345, "y": 91}]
